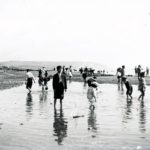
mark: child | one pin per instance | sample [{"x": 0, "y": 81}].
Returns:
[
  {"x": 128, "y": 87},
  {"x": 93, "y": 81},
  {"x": 91, "y": 94},
  {"x": 142, "y": 86},
  {"x": 29, "y": 80}
]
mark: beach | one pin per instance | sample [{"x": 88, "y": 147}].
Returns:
[
  {"x": 10, "y": 78},
  {"x": 30, "y": 122}
]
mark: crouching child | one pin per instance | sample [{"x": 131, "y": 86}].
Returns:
[{"x": 128, "y": 87}]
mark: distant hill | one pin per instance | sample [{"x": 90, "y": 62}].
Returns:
[{"x": 52, "y": 64}]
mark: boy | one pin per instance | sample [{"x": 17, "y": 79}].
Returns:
[
  {"x": 128, "y": 87},
  {"x": 59, "y": 85}
]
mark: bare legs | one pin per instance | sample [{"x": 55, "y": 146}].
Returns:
[
  {"x": 29, "y": 90},
  {"x": 142, "y": 95},
  {"x": 55, "y": 101}
]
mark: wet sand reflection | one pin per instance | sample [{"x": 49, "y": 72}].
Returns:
[
  {"x": 128, "y": 112},
  {"x": 142, "y": 117},
  {"x": 29, "y": 106},
  {"x": 60, "y": 126},
  {"x": 43, "y": 96},
  {"x": 92, "y": 126}
]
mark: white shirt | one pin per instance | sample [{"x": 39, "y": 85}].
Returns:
[
  {"x": 30, "y": 75},
  {"x": 60, "y": 79}
]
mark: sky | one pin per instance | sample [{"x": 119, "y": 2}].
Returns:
[{"x": 110, "y": 32}]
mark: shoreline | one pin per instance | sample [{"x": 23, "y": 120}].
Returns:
[{"x": 11, "y": 79}]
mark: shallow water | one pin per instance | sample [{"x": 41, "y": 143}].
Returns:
[{"x": 29, "y": 122}]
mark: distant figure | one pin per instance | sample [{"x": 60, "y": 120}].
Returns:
[
  {"x": 40, "y": 81},
  {"x": 64, "y": 70},
  {"x": 84, "y": 75},
  {"x": 29, "y": 80},
  {"x": 70, "y": 73},
  {"x": 70, "y": 68},
  {"x": 46, "y": 79},
  {"x": 139, "y": 71},
  {"x": 81, "y": 70},
  {"x": 59, "y": 85},
  {"x": 118, "y": 73},
  {"x": 128, "y": 87},
  {"x": 135, "y": 70},
  {"x": 147, "y": 71},
  {"x": 142, "y": 86},
  {"x": 122, "y": 75},
  {"x": 91, "y": 95}
]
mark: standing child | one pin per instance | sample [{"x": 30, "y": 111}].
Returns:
[
  {"x": 91, "y": 94},
  {"x": 128, "y": 87},
  {"x": 142, "y": 86}
]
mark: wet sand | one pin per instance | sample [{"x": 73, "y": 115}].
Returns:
[{"x": 29, "y": 122}]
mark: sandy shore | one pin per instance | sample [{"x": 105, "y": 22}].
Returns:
[{"x": 11, "y": 79}]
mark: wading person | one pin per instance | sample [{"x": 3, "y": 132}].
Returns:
[
  {"x": 122, "y": 75},
  {"x": 118, "y": 73},
  {"x": 59, "y": 85},
  {"x": 29, "y": 80},
  {"x": 91, "y": 94},
  {"x": 142, "y": 86},
  {"x": 139, "y": 71},
  {"x": 40, "y": 81},
  {"x": 46, "y": 79},
  {"x": 128, "y": 87}
]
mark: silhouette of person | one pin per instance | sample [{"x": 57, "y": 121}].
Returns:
[{"x": 60, "y": 126}]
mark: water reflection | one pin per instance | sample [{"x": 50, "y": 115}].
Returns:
[
  {"x": 60, "y": 126},
  {"x": 128, "y": 112},
  {"x": 84, "y": 85},
  {"x": 118, "y": 86},
  {"x": 92, "y": 125},
  {"x": 43, "y": 96},
  {"x": 120, "y": 89},
  {"x": 142, "y": 117},
  {"x": 29, "y": 105}
]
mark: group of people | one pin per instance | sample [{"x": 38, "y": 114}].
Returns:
[
  {"x": 122, "y": 79},
  {"x": 140, "y": 69},
  {"x": 43, "y": 78},
  {"x": 59, "y": 82}
]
